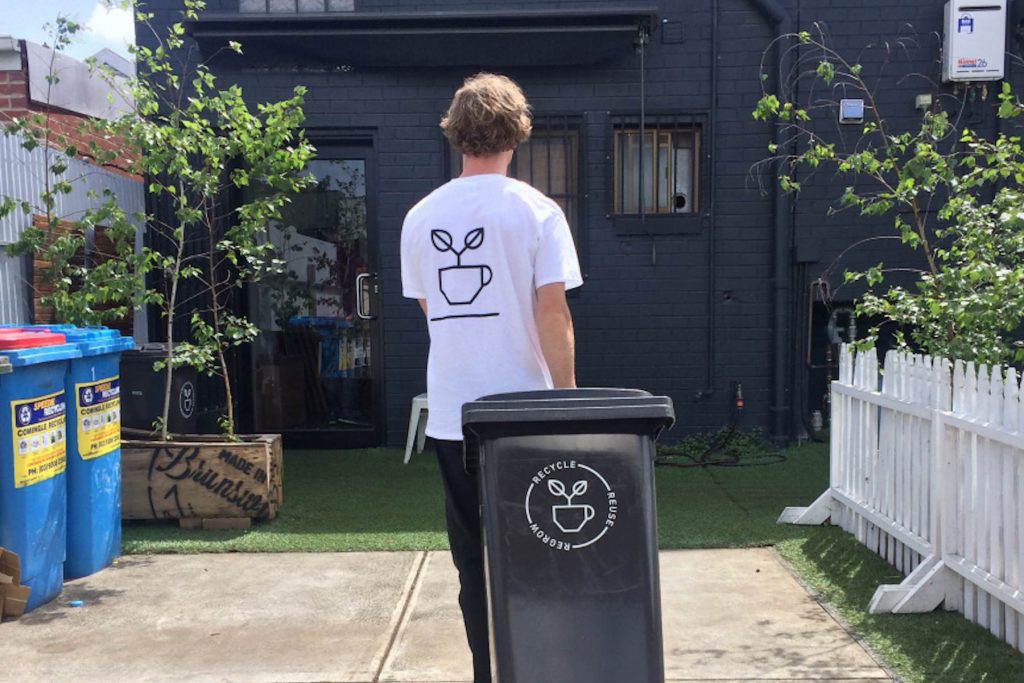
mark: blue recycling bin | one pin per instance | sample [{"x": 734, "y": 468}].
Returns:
[
  {"x": 94, "y": 450},
  {"x": 33, "y": 440}
]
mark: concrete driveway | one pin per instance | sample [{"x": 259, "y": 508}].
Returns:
[{"x": 729, "y": 615}]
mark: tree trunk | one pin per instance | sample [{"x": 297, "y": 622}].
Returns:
[
  {"x": 229, "y": 428},
  {"x": 171, "y": 302}
]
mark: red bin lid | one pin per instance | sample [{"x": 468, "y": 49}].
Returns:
[{"x": 13, "y": 339}]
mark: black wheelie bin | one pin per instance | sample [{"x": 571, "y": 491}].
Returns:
[{"x": 571, "y": 544}]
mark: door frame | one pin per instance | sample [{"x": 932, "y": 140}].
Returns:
[{"x": 353, "y": 143}]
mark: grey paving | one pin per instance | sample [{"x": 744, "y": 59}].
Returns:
[
  {"x": 740, "y": 615},
  {"x": 232, "y": 617},
  {"x": 729, "y": 615}
]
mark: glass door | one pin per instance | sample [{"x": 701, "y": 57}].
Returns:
[{"x": 315, "y": 369}]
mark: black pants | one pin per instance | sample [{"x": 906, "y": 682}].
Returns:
[{"x": 462, "y": 513}]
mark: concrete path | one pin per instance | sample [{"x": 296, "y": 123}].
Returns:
[{"x": 729, "y": 615}]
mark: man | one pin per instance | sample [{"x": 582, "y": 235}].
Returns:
[{"x": 489, "y": 259}]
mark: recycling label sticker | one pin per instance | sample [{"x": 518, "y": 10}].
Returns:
[
  {"x": 98, "y": 413},
  {"x": 38, "y": 426}
]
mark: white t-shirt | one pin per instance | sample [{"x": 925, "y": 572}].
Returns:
[{"x": 477, "y": 248}]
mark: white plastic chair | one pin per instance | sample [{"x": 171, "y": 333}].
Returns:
[{"x": 417, "y": 426}]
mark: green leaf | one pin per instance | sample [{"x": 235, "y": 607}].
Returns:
[{"x": 826, "y": 71}]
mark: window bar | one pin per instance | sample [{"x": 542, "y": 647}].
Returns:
[
  {"x": 656, "y": 165},
  {"x": 643, "y": 117},
  {"x": 698, "y": 167},
  {"x": 537, "y": 161},
  {"x": 547, "y": 154},
  {"x": 693, "y": 202},
  {"x": 620, "y": 168},
  {"x": 569, "y": 203}
]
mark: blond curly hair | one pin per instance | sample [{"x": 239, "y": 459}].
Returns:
[{"x": 488, "y": 115}]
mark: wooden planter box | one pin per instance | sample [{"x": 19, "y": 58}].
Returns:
[{"x": 202, "y": 478}]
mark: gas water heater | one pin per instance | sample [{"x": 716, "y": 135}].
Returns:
[{"x": 974, "y": 48}]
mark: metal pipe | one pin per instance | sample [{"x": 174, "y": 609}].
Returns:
[
  {"x": 711, "y": 256},
  {"x": 776, "y": 13}
]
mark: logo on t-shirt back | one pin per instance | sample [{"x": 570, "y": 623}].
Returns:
[{"x": 461, "y": 284}]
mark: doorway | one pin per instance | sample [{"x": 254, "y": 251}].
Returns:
[{"x": 316, "y": 365}]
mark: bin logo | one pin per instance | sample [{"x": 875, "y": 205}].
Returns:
[
  {"x": 25, "y": 415},
  {"x": 187, "y": 399},
  {"x": 570, "y": 506},
  {"x": 87, "y": 397}
]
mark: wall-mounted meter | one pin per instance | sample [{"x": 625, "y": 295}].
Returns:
[{"x": 974, "y": 48}]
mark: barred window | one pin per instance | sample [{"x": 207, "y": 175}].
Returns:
[
  {"x": 668, "y": 171},
  {"x": 549, "y": 161}
]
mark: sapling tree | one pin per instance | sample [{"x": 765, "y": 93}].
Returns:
[
  {"x": 197, "y": 141},
  {"x": 193, "y": 141},
  {"x": 967, "y": 300}
]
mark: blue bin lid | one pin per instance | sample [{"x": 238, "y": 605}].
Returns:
[
  {"x": 30, "y": 347},
  {"x": 92, "y": 341},
  {"x": 317, "y": 321},
  {"x": 95, "y": 341}
]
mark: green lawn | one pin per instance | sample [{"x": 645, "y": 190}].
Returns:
[{"x": 369, "y": 500}]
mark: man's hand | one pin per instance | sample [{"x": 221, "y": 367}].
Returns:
[{"x": 557, "y": 341}]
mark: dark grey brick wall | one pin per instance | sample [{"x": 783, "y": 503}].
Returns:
[{"x": 640, "y": 321}]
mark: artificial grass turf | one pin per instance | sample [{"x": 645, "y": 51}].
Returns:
[
  {"x": 369, "y": 500},
  {"x": 937, "y": 647}
]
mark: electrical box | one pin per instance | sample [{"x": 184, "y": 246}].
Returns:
[
  {"x": 851, "y": 111},
  {"x": 974, "y": 48}
]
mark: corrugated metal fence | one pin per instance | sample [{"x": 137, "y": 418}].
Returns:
[{"x": 22, "y": 177}]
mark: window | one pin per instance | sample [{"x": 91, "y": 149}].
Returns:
[
  {"x": 665, "y": 179},
  {"x": 549, "y": 161}
]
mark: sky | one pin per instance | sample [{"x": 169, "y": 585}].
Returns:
[{"x": 104, "y": 26}]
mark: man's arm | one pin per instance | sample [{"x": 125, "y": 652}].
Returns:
[
  {"x": 423, "y": 305},
  {"x": 557, "y": 341}
]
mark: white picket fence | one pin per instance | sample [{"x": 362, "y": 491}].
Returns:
[{"x": 927, "y": 470}]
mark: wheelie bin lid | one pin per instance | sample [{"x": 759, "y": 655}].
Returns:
[
  {"x": 569, "y": 406},
  {"x": 95, "y": 341},
  {"x": 29, "y": 347}
]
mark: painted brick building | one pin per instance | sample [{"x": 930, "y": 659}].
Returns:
[{"x": 710, "y": 289}]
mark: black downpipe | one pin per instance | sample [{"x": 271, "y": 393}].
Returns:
[
  {"x": 777, "y": 14},
  {"x": 711, "y": 256}
]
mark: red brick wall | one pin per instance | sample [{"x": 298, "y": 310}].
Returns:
[
  {"x": 75, "y": 128},
  {"x": 13, "y": 94},
  {"x": 14, "y": 102},
  {"x": 42, "y": 284}
]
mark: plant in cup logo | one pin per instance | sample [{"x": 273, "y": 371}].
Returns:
[
  {"x": 570, "y": 517},
  {"x": 461, "y": 284}
]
